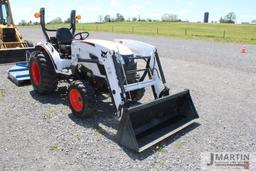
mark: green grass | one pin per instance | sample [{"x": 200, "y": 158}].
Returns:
[
  {"x": 54, "y": 148},
  {"x": 233, "y": 32},
  {"x": 2, "y": 93}
]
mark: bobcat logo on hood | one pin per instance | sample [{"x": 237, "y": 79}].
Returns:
[{"x": 104, "y": 54}]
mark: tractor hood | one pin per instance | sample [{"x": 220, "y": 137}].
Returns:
[{"x": 116, "y": 46}]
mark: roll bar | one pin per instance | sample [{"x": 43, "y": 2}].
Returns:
[{"x": 45, "y": 30}]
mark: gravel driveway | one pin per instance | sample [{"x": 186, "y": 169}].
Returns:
[{"x": 40, "y": 133}]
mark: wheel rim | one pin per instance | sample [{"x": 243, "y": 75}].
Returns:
[
  {"x": 76, "y": 100},
  {"x": 35, "y": 74}
]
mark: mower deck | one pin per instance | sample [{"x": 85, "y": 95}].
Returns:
[{"x": 19, "y": 74}]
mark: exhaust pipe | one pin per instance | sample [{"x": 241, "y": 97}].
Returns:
[{"x": 145, "y": 125}]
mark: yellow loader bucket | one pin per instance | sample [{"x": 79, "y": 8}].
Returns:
[{"x": 13, "y": 55}]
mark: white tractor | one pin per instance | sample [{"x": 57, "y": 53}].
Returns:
[{"x": 93, "y": 67}]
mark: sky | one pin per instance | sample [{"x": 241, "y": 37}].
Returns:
[{"x": 90, "y": 10}]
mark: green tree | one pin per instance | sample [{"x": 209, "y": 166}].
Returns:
[
  {"x": 107, "y": 18},
  {"x": 229, "y": 18},
  {"x": 68, "y": 20},
  {"x": 119, "y": 17},
  {"x": 36, "y": 23},
  {"x": 169, "y": 18},
  {"x": 23, "y": 23},
  {"x": 100, "y": 18},
  {"x": 57, "y": 20}
]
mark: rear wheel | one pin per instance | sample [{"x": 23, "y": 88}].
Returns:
[
  {"x": 42, "y": 74},
  {"x": 29, "y": 43},
  {"x": 81, "y": 99}
]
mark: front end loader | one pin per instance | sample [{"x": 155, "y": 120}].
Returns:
[
  {"x": 94, "y": 67},
  {"x": 12, "y": 47}
]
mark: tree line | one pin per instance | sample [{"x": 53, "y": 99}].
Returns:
[
  {"x": 57, "y": 20},
  {"x": 167, "y": 17},
  {"x": 120, "y": 18}
]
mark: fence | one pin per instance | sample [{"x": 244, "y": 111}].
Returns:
[
  {"x": 233, "y": 33},
  {"x": 158, "y": 31}
]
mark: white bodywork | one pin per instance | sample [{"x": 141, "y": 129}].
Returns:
[{"x": 104, "y": 51}]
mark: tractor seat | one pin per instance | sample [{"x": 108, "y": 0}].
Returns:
[{"x": 64, "y": 39}]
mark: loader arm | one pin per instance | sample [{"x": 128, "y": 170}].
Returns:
[{"x": 149, "y": 53}]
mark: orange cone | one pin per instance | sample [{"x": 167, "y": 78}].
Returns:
[{"x": 243, "y": 50}]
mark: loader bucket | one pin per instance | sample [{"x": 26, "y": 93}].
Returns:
[
  {"x": 13, "y": 55},
  {"x": 145, "y": 125}
]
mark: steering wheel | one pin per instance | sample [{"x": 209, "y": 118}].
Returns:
[{"x": 82, "y": 36}]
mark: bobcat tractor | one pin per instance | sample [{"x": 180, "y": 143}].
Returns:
[{"x": 94, "y": 67}]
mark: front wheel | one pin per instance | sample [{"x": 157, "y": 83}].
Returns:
[{"x": 81, "y": 99}]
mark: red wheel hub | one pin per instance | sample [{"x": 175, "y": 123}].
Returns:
[
  {"x": 76, "y": 100},
  {"x": 35, "y": 74}
]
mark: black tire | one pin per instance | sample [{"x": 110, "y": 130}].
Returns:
[
  {"x": 137, "y": 95},
  {"x": 47, "y": 81},
  {"x": 85, "y": 98},
  {"x": 29, "y": 43}
]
